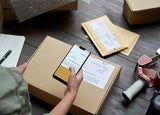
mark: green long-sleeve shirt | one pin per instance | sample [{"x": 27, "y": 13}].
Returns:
[{"x": 14, "y": 95}]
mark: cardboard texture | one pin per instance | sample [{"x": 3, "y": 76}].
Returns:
[
  {"x": 141, "y": 11},
  {"x": 41, "y": 67},
  {"x": 96, "y": 40},
  {"x": 127, "y": 38},
  {"x": 9, "y": 14}
]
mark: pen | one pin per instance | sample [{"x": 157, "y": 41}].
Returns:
[{"x": 5, "y": 56}]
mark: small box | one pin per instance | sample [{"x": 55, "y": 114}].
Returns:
[
  {"x": 9, "y": 15},
  {"x": 39, "y": 76},
  {"x": 141, "y": 11}
]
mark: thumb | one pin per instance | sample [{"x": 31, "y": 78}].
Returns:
[{"x": 22, "y": 67}]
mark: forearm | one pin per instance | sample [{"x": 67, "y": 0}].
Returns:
[{"x": 64, "y": 105}]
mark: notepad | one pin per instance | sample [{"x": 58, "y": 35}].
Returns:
[{"x": 15, "y": 44}]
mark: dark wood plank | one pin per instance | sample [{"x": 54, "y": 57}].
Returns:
[{"x": 27, "y": 52}]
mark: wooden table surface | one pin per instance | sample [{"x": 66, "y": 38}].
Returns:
[{"x": 66, "y": 26}]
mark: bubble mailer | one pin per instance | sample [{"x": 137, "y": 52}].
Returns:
[{"x": 25, "y": 9}]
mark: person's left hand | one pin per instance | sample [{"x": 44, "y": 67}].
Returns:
[{"x": 22, "y": 67}]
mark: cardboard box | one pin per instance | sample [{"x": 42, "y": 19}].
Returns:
[
  {"x": 141, "y": 11},
  {"x": 42, "y": 85},
  {"x": 9, "y": 14}
]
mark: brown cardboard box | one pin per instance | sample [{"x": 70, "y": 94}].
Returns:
[
  {"x": 9, "y": 14},
  {"x": 41, "y": 67},
  {"x": 141, "y": 11}
]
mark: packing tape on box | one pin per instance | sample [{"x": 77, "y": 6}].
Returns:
[{"x": 26, "y": 9}]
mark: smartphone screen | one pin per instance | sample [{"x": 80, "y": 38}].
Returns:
[{"x": 76, "y": 57}]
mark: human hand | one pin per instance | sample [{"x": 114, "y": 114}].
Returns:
[
  {"x": 74, "y": 81},
  {"x": 22, "y": 67},
  {"x": 70, "y": 94}
]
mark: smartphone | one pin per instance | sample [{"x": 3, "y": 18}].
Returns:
[{"x": 76, "y": 57}]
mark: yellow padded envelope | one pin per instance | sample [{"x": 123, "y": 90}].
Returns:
[{"x": 126, "y": 39}]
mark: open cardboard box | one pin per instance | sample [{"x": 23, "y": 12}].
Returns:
[
  {"x": 42, "y": 85},
  {"x": 9, "y": 15},
  {"x": 141, "y": 11}
]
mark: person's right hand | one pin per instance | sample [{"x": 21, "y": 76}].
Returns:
[
  {"x": 70, "y": 94},
  {"x": 74, "y": 81}
]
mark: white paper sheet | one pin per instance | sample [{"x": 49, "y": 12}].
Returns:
[
  {"x": 97, "y": 72},
  {"x": 105, "y": 36},
  {"x": 15, "y": 44}
]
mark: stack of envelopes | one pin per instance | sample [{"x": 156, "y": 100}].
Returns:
[{"x": 109, "y": 38}]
